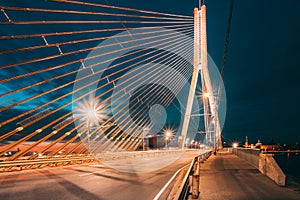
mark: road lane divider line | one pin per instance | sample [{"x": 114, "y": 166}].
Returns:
[{"x": 168, "y": 183}]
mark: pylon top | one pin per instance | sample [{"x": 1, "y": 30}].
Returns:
[
  {"x": 195, "y": 10},
  {"x": 201, "y": 3}
]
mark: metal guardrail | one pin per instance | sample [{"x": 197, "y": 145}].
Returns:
[
  {"x": 190, "y": 185},
  {"x": 37, "y": 163}
]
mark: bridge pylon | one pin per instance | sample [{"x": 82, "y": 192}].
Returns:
[{"x": 200, "y": 66}]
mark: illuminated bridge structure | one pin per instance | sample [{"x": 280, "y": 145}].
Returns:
[{"x": 81, "y": 79}]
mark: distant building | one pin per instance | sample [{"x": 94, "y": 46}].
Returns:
[
  {"x": 258, "y": 144},
  {"x": 270, "y": 147}
]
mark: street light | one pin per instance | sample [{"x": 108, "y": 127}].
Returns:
[
  {"x": 187, "y": 142},
  {"x": 206, "y": 95},
  {"x": 145, "y": 132},
  {"x": 168, "y": 133},
  {"x": 235, "y": 145},
  {"x": 92, "y": 113}
]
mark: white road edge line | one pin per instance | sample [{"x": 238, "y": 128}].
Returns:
[{"x": 168, "y": 183}]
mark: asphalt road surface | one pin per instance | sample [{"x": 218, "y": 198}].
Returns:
[
  {"x": 93, "y": 181},
  {"x": 226, "y": 176}
]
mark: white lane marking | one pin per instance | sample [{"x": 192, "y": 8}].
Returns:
[
  {"x": 168, "y": 183},
  {"x": 86, "y": 174}
]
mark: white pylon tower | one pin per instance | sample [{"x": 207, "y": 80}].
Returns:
[{"x": 211, "y": 118}]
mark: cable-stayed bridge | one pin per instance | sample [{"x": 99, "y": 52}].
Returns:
[
  {"x": 90, "y": 78},
  {"x": 84, "y": 82},
  {"x": 99, "y": 101}
]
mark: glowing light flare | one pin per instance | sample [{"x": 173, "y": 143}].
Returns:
[
  {"x": 168, "y": 133},
  {"x": 206, "y": 95},
  {"x": 235, "y": 145},
  {"x": 91, "y": 111}
]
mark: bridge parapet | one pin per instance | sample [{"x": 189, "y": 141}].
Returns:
[
  {"x": 269, "y": 167},
  {"x": 265, "y": 163},
  {"x": 250, "y": 155}
]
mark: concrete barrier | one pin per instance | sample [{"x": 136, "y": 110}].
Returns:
[
  {"x": 265, "y": 163},
  {"x": 250, "y": 155},
  {"x": 269, "y": 167}
]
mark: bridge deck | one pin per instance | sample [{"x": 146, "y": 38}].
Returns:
[
  {"x": 89, "y": 181},
  {"x": 225, "y": 176}
]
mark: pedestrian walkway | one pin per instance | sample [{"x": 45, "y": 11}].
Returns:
[{"x": 226, "y": 176}]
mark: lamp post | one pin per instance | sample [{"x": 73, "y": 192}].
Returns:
[
  {"x": 145, "y": 132},
  {"x": 168, "y": 135},
  {"x": 88, "y": 126},
  {"x": 179, "y": 141},
  {"x": 187, "y": 142},
  {"x": 92, "y": 113}
]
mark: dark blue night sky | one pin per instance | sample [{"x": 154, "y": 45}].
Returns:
[
  {"x": 262, "y": 69},
  {"x": 261, "y": 73}
]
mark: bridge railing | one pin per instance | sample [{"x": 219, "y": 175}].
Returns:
[
  {"x": 190, "y": 184},
  {"x": 43, "y": 162}
]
